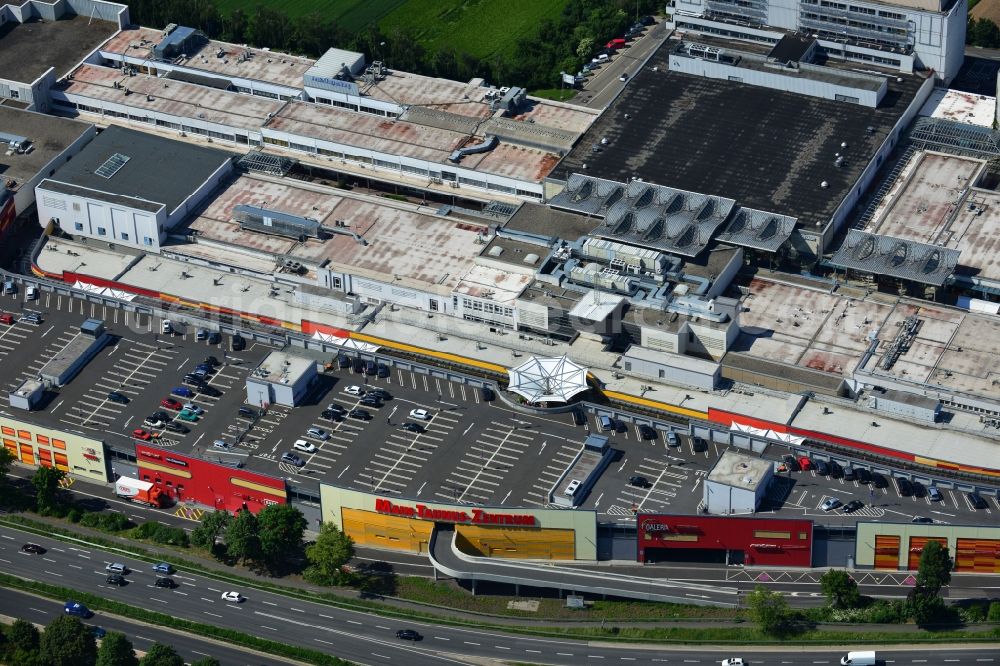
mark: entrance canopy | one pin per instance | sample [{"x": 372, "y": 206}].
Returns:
[{"x": 548, "y": 379}]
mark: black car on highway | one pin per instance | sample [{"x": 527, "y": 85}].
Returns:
[
  {"x": 165, "y": 582},
  {"x": 409, "y": 635}
]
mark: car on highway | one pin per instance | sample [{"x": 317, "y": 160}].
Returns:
[
  {"x": 97, "y": 632},
  {"x": 116, "y": 579},
  {"x": 303, "y": 445},
  {"x": 623, "y": 76},
  {"x": 33, "y": 549},
  {"x": 233, "y": 596},
  {"x": 170, "y": 403},
  {"x": 361, "y": 414},
  {"x": 176, "y": 427},
  {"x": 117, "y": 396},
  {"x": 292, "y": 459},
  {"x": 412, "y": 427},
  {"x": 117, "y": 568},
  {"x": 163, "y": 568},
  {"x": 933, "y": 494},
  {"x": 639, "y": 481},
  {"x": 409, "y": 635},
  {"x": 733, "y": 661},
  {"x": 318, "y": 433},
  {"x": 976, "y": 500},
  {"x": 922, "y": 519},
  {"x": 853, "y": 506},
  {"x": 76, "y": 609},
  {"x": 421, "y": 414},
  {"x": 830, "y": 504},
  {"x": 354, "y": 389},
  {"x": 166, "y": 582}
]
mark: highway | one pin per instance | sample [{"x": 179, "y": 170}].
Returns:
[
  {"x": 16, "y": 604},
  {"x": 370, "y": 639}
]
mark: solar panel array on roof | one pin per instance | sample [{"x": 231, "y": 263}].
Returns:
[
  {"x": 646, "y": 214},
  {"x": 112, "y": 165},
  {"x": 885, "y": 255}
]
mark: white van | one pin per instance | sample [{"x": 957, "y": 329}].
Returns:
[{"x": 866, "y": 658}]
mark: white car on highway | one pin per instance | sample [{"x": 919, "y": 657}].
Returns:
[
  {"x": 232, "y": 596},
  {"x": 733, "y": 661},
  {"x": 421, "y": 414}
]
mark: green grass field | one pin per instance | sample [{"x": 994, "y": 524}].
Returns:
[{"x": 480, "y": 27}]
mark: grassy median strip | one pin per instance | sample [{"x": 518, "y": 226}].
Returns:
[
  {"x": 95, "y": 603},
  {"x": 743, "y": 635}
]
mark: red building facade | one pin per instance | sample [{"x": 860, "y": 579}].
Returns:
[
  {"x": 752, "y": 541},
  {"x": 184, "y": 478}
]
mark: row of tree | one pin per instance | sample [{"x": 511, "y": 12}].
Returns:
[
  {"x": 982, "y": 32},
  {"x": 562, "y": 43},
  {"x": 67, "y": 641},
  {"x": 771, "y": 612}
]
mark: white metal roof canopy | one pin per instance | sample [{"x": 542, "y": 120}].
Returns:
[{"x": 548, "y": 379}]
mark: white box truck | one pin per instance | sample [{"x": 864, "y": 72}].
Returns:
[{"x": 866, "y": 658}]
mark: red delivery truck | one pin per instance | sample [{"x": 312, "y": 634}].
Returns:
[{"x": 142, "y": 492}]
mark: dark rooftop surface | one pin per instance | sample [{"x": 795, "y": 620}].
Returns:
[
  {"x": 541, "y": 220},
  {"x": 49, "y": 137},
  {"x": 791, "y": 48},
  {"x": 158, "y": 170},
  {"x": 27, "y": 50},
  {"x": 766, "y": 149}
]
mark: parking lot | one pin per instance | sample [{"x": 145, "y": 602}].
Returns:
[{"x": 467, "y": 450}]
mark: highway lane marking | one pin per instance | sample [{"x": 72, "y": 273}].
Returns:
[
  {"x": 211, "y": 601},
  {"x": 7, "y": 537},
  {"x": 9, "y": 562},
  {"x": 594, "y": 656},
  {"x": 442, "y": 638},
  {"x": 269, "y": 603},
  {"x": 212, "y": 614},
  {"x": 49, "y": 559},
  {"x": 52, "y": 573},
  {"x": 320, "y": 640},
  {"x": 353, "y": 622},
  {"x": 501, "y": 647},
  {"x": 569, "y": 654},
  {"x": 376, "y": 654},
  {"x": 264, "y": 626},
  {"x": 297, "y": 610},
  {"x": 212, "y": 589},
  {"x": 179, "y": 592},
  {"x": 471, "y": 643},
  {"x": 162, "y": 601},
  {"x": 35, "y": 609},
  {"x": 536, "y": 651},
  {"x": 329, "y": 617},
  {"x": 76, "y": 566},
  {"x": 379, "y": 626},
  {"x": 627, "y": 658}
]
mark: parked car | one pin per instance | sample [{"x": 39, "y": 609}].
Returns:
[
  {"x": 176, "y": 427},
  {"x": 805, "y": 464},
  {"x": 919, "y": 490},
  {"x": 673, "y": 439},
  {"x": 976, "y": 500},
  {"x": 139, "y": 433},
  {"x": 791, "y": 462},
  {"x": 166, "y": 327},
  {"x": 31, "y": 318},
  {"x": 358, "y": 365},
  {"x": 354, "y": 389},
  {"x": 239, "y": 343},
  {"x": 120, "y": 398},
  {"x": 380, "y": 393},
  {"x": 343, "y": 361},
  {"x": 830, "y": 504},
  {"x": 836, "y": 471},
  {"x": 486, "y": 394},
  {"x": 292, "y": 459},
  {"x": 221, "y": 444},
  {"x": 303, "y": 445},
  {"x": 332, "y": 415},
  {"x": 193, "y": 408},
  {"x": 7, "y": 318},
  {"x": 850, "y": 474},
  {"x": 359, "y": 413},
  {"x": 182, "y": 391},
  {"x": 188, "y": 416},
  {"x": 646, "y": 432},
  {"x": 248, "y": 412},
  {"x": 214, "y": 338},
  {"x": 904, "y": 486},
  {"x": 864, "y": 476},
  {"x": 370, "y": 368},
  {"x": 699, "y": 444},
  {"x": 639, "y": 481},
  {"x": 422, "y": 414},
  {"x": 370, "y": 401},
  {"x": 202, "y": 334},
  {"x": 934, "y": 494},
  {"x": 879, "y": 481},
  {"x": 150, "y": 422},
  {"x": 853, "y": 506},
  {"x": 170, "y": 403},
  {"x": 232, "y": 596},
  {"x": 318, "y": 433},
  {"x": 412, "y": 427},
  {"x": 408, "y": 635},
  {"x": 32, "y": 549},
  {"x": 821, "y": 467},
  {"x": 212, "y": 361},
  {"x": 922, "y": 519}
]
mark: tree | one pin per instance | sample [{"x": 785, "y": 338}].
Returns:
[
  {"x": 281, "y": 529},
  {"x": 934, "y": 571},
  {"x": 585, "y": 48},
  {"x": 212, "y": 526},
  {"x": 116, "y": 650},
  {"x": 68, "y": 642},
  {"x": 46, "y": 482},
  {"x": 243, "y": 537},
  {"x": 768, "y": 609},
  {"x": 161, "y": 655},
  {"x": 207, "y": 661},
  {"x": 23, "y": 635},
  {"x": 331, "y": 551},
  {"x": 840, "y": 589}
]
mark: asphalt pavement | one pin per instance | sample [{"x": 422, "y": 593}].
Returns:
[
  {"x": 39, "y": 610},
  {"x": 371, "y": 639}
]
